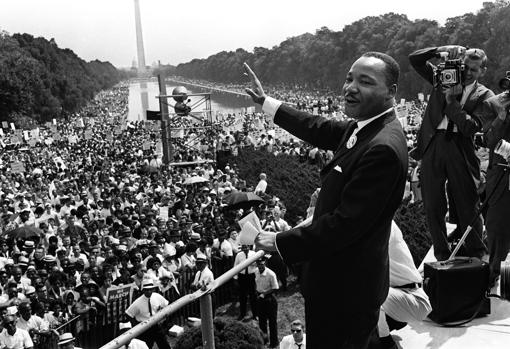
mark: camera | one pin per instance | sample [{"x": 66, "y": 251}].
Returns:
[
  {"x": 449, "y": 72},
  {"x": 503, "y": 149},
  {"x": 504, "y": 83}
]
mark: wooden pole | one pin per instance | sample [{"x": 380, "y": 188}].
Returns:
[
  {"x": 165, "y": 121},
  {"x": 206, "y": 316}
]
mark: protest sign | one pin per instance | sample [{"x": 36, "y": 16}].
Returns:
[
  {"x": 5, "y": 124},
  {"x": 17, "y": 167},
  {"x": 118, "y": 299}
]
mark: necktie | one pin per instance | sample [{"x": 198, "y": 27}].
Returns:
[
  {"x": 299, "y": 345},
  {"x": 450, "y": 126},
  {"x": 246, "y": 269},
  {"x": 149, "y": 304}
]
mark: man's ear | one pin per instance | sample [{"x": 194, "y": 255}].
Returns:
[{"x": 392, "y": 91}]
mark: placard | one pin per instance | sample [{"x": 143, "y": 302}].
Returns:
[
  {"x": 17, "y": 167},
  {"x": 146, "y": 146},
  {"x": 5, "y": 124}
]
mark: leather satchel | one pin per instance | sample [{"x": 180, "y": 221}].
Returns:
[{"x": 457, "y": 289}]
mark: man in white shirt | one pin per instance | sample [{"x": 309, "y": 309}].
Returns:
[
  {"x": 12, "y": 337},
  {"x": 33, "y": 324},
  {"x": 406, "y": 300},
  {"x": 143, "y": 308},
  {"x": 204, "y": 275},
  {"x": 246, "y": 279},
  {"x": 267, "y": 305},
  {"x": 296, "y": 340},
  {"x": 262, "y": 185}
]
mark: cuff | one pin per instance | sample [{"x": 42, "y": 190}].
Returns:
[
  {"x": 276, "y": 245},
  {"x": 270, "y": 106}
]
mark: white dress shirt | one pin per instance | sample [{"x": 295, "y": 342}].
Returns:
[
  {"x": 288, "y": 342},
  {"x": 139, "y": 309}
]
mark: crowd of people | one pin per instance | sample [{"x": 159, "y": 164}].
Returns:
[{"x": 93, "y": 208}]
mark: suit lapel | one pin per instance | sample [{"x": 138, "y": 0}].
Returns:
[{"x": 365, "y": 133}]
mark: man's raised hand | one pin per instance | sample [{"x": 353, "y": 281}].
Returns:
[{"x": 256, "y": 91}]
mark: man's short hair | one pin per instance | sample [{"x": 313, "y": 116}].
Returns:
[
  {"x": 297, "y": 323},
  {"x": 476, "y": 54},
  {"x": 392, "y": 71}
]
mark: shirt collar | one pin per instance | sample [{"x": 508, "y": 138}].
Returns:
[{"x": 365, "y": 122}]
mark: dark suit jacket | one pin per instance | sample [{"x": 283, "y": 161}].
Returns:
[
  {"x": 345, "y": 249},
  {"x": 466, "y": 118},
  {"x": 495, "y": 130}
]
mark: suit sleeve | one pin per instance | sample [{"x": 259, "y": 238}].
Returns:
[
  {"x": 363, "y": 201},
  {"x": 316, "y": 130},
  {"x": 468, "y": 124},
  {"x": 493, "y": 127},
  {"x": 420, "y": 62}
]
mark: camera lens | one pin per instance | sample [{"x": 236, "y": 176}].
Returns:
[{"x": 504, "y": 84}]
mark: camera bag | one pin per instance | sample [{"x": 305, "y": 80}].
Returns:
[{"x": 457, "y": 289}]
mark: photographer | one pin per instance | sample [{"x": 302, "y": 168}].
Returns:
[
  {"x": 445, "y": 143},
  {"x": 496, "y": 128}
]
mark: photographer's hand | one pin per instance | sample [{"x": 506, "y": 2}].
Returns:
[
  {"x": 256, "y": 91},
  {"x": 454, "y": 51},
  {"x": 451, "y": 93}
]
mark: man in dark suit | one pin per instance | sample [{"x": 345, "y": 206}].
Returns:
[
  {"x": 496, "y": 127},
  {"x": 446, "y": 148},
  {"x": 345, "y": 249}
]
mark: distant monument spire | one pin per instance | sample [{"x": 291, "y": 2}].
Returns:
[{"x": 139, "y": 39}]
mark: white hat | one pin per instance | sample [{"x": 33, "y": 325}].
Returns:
[
  {"x": 65, "y": 338},
  {"x": 147, "y": 283},
  {"x": 125, "y": 325}
]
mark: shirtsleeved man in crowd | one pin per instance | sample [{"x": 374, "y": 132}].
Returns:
[
  {"x": 297, "y": 338},
  {"x": 145, "y": 307},
  {"x": 446, "y": 148},
  {"x": 362, "y": 186},
  {"x": 497, "y": 128},
  {"x": 13, "y": 337},
  {"x": 267, "y": 305}
]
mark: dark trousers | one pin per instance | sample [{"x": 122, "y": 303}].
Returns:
[
  {"x": 335, "y": 326},
  {"x": 443, "y": 163},
  {"x": 247, "y": 290},
  {"x": 155, "y": 334},
  {"x": 268, "y": 312},
  {"x": 498, "y": 231}
]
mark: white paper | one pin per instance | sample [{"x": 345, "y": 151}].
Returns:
[
  {"x": 248, "y": 234},
  {"x": 253, "y": 219}
]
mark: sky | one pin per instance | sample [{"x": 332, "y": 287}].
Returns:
[{"x": 177, "y": 32}]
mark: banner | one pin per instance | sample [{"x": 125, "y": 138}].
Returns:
[{"x": 118, "y": 299}]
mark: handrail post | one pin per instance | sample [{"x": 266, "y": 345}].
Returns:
[{"x": 206, "y": 315}]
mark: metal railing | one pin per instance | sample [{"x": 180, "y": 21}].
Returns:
[{"x": 206, "y": 312}]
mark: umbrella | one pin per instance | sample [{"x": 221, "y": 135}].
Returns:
[
  {"x": 24, "y": 232},
  {"x": 194, "y": 180},
  {"x": 242, "y": 199}
]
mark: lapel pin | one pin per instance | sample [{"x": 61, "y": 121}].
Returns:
[{"x": 351, "y": 142}]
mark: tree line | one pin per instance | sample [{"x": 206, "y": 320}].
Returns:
[
  {"x": 40, "y": 81},
  {"x": 321, "y": 60}
]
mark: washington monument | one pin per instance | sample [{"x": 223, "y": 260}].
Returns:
[{"x": 139, "y": 40}]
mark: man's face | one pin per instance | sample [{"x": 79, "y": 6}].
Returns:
[
  {"x": 297, "y": 333},
  {"x": 473, "y": 70},
  {"x": 365, "y": 91},
  {"x": 10, "y": 325}
]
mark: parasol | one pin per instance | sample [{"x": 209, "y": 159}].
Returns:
[{"x": 242, "y": 199}]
